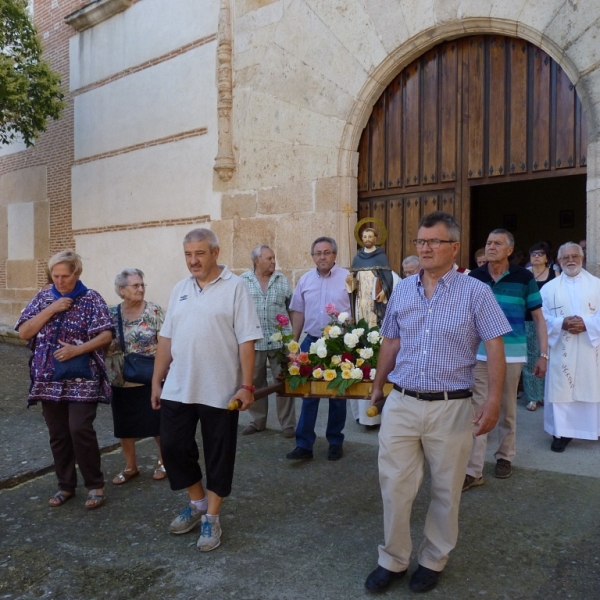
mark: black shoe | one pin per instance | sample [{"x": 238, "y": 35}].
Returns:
[
  {"x": 503, "y": 469},
  {"x": 559, "y": 443},
  {"x": 299, "y": 453},
  {"x": 424, "y": 579},
  {"x": 381, "y": 578},
  {"x": 335, "y": 452}
]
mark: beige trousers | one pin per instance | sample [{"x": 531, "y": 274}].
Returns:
[
  {"x": 507, "y": 421},
  {"x": 286, "y": 411},
  {"x": 412, "y": 432}
]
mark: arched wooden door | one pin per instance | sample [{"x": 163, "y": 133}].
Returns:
[{"x": 471, "y": 111}]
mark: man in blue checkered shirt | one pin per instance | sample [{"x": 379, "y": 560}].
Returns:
[{"x": 432, "y": 329}]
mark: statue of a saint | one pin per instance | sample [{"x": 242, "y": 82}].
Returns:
[{"x": 370, "y": 281}]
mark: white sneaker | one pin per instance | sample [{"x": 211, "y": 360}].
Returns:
[
  {"x": 186, "y": 520},
  {"x": 210, "y": 534}
]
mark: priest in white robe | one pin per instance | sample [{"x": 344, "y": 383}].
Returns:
[{"x": 571, "y": 307}]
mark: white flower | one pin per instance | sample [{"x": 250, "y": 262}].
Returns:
[
  {"x": 321, "y": 352},
  {"x": 373, "y": 337},
  {"x": 313, "y": 348},
  {"x": 366, "y": 353},
  {"x": 318, "y": 373},
  {"x": 350, "y": 339},
  {"x": 321, "y": 342},
  {"x": 358, "y": 331},
  {"x": 335, "y": 332},
  {"x": 356, "y": 374},
  {"x": 343, "y": 317},
  {"x": 276, "y": 337},
  {"x": 372, "y": 374}
]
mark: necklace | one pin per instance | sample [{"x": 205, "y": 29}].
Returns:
[{"x": 538, "y": 277}]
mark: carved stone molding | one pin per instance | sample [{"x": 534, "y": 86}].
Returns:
[
  {"x": 225, "y": 160},
  {"x": 95, "y": 12}
]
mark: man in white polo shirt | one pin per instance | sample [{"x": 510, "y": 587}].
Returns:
[{"x": 206, "y": 353}]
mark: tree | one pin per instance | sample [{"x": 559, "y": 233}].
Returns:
[{"x": 30, "y": 91}]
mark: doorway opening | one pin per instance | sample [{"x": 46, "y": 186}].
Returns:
[{"x": 551, "y": 209}]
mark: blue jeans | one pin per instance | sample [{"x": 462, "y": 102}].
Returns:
[{"x": 305, "y": 430}]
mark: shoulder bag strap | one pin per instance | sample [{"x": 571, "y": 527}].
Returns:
[{"x": 121, "y": 334}]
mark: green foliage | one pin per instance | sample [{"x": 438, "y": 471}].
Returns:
[{"x": 30, "y": 91}]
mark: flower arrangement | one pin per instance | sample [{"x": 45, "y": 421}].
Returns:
[{"x": 346, "y": 353}]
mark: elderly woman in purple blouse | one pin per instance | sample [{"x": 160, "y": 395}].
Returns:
[{"x": 67, "y": 326}]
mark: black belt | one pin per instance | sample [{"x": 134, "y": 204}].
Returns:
[{"x": 454, "y": 395}]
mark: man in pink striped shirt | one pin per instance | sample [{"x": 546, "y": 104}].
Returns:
[{"x": 321, "y": 286}]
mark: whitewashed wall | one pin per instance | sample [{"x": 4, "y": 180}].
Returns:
[{"x": 137, "y": 158}]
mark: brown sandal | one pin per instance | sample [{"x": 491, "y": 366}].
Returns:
[
  {"x": 60, "y": 498},
  {"x": 125, "y": 475},
  {"x": 160, "y": 472}
]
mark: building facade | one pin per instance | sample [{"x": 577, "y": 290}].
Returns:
[{"x": 247, "y": 116}]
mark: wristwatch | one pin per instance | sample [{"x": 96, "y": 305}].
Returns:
[
  {"x": 544, "y": 355},
  {"x": 250, "y": 388}
]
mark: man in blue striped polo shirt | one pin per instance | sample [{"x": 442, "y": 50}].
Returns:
[
  {"x": 516, "y": 291},
  {"x": 432, "y": 328}
]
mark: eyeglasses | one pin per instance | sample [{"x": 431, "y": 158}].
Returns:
[
  {"x": 571, "y": 257},
  {"x": 433, "y": 243},
  {"x": 137, "y": 286},
  {"x": 326, "y": 253},
  {"x": 537, "y": 253}
]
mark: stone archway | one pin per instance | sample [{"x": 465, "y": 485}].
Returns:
[
  {"x": 472, "y": 112},
  {"x": 424, "y": 41}
]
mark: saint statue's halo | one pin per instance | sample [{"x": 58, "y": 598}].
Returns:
[{"x": 382, "y": 231}]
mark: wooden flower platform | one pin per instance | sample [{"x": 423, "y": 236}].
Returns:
[{"x": 318, "y": 389}]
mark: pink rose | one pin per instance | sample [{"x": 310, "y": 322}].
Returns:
[
  {"x": 282, "y": 320},
  {"x": 292, "y": 358},
  {"x": 330, "y": 309}
]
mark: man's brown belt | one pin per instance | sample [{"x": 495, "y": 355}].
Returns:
[{"x": 454, "y": 395}]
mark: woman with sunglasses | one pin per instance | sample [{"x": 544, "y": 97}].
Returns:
[{"x": 541, "y": 268}]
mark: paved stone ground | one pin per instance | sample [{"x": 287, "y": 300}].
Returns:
[
  {"x": 291, "y": 531},
  {"x": 24, "y": 444}
]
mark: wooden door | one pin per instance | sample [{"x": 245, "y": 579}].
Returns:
[{"x": 476, "y": 110}]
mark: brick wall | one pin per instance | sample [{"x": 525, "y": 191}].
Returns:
[{"x": 54, "y": 148}]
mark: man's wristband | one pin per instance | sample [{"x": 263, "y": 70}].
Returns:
[
  {"x": 250, "y": 388},
  {"x": 544, "y": 355}
]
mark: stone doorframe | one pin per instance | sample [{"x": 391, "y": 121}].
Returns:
[{"x": 378, "y": 80}]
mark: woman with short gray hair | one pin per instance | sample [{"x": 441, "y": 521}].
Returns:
[
  {"x": 137, "y": 323},
  {"x": 67, "y": 326}
]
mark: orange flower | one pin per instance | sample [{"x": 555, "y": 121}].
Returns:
[{"x": 303, "y": 358}]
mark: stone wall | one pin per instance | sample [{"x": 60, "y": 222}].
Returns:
[
  {"x": 307, "y": 73},
  {"x": 129, "y": 168}
]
